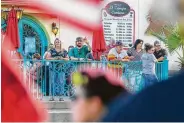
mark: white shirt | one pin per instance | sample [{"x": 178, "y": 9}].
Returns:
[{"x": 121, "y": 55}]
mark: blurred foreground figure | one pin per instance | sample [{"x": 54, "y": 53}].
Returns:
[
  {"x": 162, "y": 102},
  {"x": 95, "y": 90},
  {"x": 16, "y": 102}
]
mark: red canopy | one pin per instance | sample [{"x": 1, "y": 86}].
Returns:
[
  {"x": 11, "y": 35},
  {"x": 98, "y": 43}
]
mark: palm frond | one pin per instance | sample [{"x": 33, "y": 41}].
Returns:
[{"x": 170, "y": 37}]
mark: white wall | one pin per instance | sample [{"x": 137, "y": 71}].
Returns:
[
  {"x": 144, "y": 6},
  {"x": 68, "y": 34}
]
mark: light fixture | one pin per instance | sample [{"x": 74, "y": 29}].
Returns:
[
  {"x": 54, "y": 29},
  {"x": 4, "y": 13},
  {"x": 19, "y": 13}
]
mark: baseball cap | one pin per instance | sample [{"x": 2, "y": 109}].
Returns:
[
  {"x": 156, "y": 43},
  {"x": 119, "y": 43},
  {"x": 94, "y": 82},
  {"x": 79, "y": 39}
]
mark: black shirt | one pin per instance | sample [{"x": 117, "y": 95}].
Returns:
[
  {"x": 160, "y": 53},
  {"x": 54, "y": 53}
]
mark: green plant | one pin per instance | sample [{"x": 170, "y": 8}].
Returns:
[{"x": 173, "y": 39}]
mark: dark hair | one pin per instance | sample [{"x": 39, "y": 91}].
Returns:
[
  {"x": 56, "y": 39},
  {"x": 37, "y": 56},
  {"x": 51, "y": 44},
  {"x": 147, "y": 47},
  {"x": 137, "y": 42},
  {"x": 119, "y": 43},
  {"x": 101, "y": 87},
  {"x": 70, "y": 47}
]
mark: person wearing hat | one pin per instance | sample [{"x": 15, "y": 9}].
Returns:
[
  {"x": 80, "y": 51},
  {"x": 159, "y": 53},
  {"x": 118, "y": 53},
  {"x": 95, "y": 90}
]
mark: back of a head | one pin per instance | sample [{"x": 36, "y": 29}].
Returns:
[
  {"x": 101, "y": 84},
  {"x": 147, "y": 46}
]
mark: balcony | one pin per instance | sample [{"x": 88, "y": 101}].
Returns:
[{"x": 50, "y": 80}]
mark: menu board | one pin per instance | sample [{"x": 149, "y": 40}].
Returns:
[{"x": 118, "y": 23}]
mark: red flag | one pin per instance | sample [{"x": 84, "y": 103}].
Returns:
[{"x": 17, "y": 104}]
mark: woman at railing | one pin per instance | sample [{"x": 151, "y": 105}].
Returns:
[
  {"x": 148, "y": 63},
  {"x": 57, "y": 76},
  {"x": 133, "y": 70},
  {"x": 136, "y": 51}
]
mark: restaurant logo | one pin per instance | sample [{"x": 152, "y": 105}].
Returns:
[{"x": 117, "y": 8}]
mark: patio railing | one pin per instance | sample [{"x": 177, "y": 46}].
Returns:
[{"x": 52, "y": 79}]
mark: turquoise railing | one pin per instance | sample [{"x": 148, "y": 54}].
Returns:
[{"x": 52, "y": 78}]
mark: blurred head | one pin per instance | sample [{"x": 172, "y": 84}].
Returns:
[
  {"x": 36, "y": 56},
  {"x": 70, "y": 47},
  {"x": 138, "y": 44},
  {"x": 79, "y": 42},
  {"x": 51, "y": 46},
  {"x": 95, "y": 90},
  {"x": 119, "y": 46},
  {"x": 157, "y": 45},
  {"x": 112, "y": 42},
  {"x": 57, "y": 43},
  {"x": 149, "y": 48}
]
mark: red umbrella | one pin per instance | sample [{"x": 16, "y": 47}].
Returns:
[
  {"x": 11, "y": 35},
  {"x": 98, "y": 43}
]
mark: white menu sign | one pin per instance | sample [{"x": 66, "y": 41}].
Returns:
[{"x": 117, "y": 26}]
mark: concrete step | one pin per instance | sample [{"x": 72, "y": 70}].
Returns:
[
  {"x": 63, "y": 115},
  {"x": 58, "y": 111},
  {"x": 58, "y": 105}
]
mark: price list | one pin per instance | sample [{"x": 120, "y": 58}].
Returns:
[{"x": 119, "y": 28}]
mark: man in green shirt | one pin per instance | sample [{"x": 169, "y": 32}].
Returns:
[{"x": 80, "y": 51}]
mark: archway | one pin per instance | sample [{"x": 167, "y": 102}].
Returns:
[{"x": 33, "y": 37}]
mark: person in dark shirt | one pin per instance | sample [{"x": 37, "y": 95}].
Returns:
[
  {"x": 162, "y": 102},
  {"x": 159, "y": 53}
]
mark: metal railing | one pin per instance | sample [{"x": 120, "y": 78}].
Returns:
[{"x": 52, "y": 78}]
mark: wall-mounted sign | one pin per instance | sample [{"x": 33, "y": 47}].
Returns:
[
  {"x": 117, "y": 8},
  {"x": 119, "y": 23}
]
